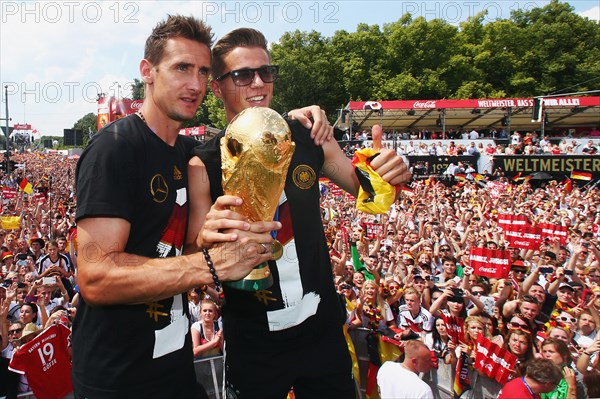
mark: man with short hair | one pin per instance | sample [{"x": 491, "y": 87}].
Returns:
[
  {"x": 302, "y": 305},
  {"x": 131, "y": 333},
  {"x": 401, "y": 380},
  {"x": 413, "y": 318},
  {"x": 541, "y": 376},
  {"x": 448, "y": 272},
  {"x": 586, "y": 329}
]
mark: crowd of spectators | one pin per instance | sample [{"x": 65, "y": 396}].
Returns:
[
  {"x": 527, "y": 144},
  {"x": 459, "y": 134},
  {"x": 399, "y": 272},
  {"x": 38, "y": 256},
  {"x": 417, "y": 256}
]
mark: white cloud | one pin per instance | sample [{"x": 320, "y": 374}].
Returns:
[
  {"x": 593, "y": 13},
  {"x": 62, "y": 52}
]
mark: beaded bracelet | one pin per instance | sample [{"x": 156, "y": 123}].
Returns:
[{"x": 211, "y": 267}]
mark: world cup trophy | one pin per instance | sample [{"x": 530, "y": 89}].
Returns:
[{"x": 256, "y": 152}]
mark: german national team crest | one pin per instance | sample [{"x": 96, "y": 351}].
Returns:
[{"x": 304, "y": 176}]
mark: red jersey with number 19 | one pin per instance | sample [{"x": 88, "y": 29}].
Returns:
[{"x": 46, "y": 362}]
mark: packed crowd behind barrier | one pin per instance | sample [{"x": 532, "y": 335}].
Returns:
[
  {"x": 418, "y": 255},
  {"x": 38, "y": 258},
  {"x": 472, "y": 143},
  {"x": 401, "y": 275}
]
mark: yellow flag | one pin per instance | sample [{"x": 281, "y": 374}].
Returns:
[{"x": 11, "y": 222}]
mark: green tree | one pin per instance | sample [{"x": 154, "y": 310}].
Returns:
[
  {"x": 309, "y": 73},
  {"x": 137, "y": 89},
  {"x": 89, "y": 125},
  {"x": 558, "y": 49}
]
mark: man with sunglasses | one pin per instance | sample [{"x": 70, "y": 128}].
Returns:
[
  {"x": 131, "y": 334},
  {"x": 294, "y": 338}
]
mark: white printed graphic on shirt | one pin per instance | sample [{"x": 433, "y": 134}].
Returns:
[
  {"x": 298, "y": 307},
  {"x": 172, "y": 337}
]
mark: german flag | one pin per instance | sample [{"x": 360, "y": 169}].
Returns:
[
  {"x": 461, "y": 177},
  {"x": 581, "y": 175},
  {"x": 517, "y": 177},
  {"x": 25, "y": 186},
  {"x": 478, "y": 177},
  {"x": 568, "y": 185},
  {"x": 462, "y": 381},
  {"x": 408, "y": 190}
]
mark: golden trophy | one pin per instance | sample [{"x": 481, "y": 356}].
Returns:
[{"x": 256, "y": 152}]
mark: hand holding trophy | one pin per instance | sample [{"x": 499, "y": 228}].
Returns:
[{"x": 256, "y": 152}]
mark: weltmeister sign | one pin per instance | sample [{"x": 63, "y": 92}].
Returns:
[{"x": 558, "y": 166}]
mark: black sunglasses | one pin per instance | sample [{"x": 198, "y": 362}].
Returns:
[
  {"x": 514, "y": 324},
  {"x": 243, "y": 77}
]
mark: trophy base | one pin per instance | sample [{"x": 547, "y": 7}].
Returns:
[{"x": 259, "y": 279}]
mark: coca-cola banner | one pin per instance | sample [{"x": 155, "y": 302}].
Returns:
[
  {"x": 374, "y": 230},
  {"x": 505, "y": 221},
  {"x": 493, "y": 361},
  {"x": 492, "y": 263},
  {"x": 8, "y": 193},
  {"x": 525, "y": 237},
  {"x": 454, "y": 327},
  {"x": 554, "y": 230},
  {"x": 495, "y": 189},
  {"x": 477, "y": 103},
  {"x": 193, "y": 131}
]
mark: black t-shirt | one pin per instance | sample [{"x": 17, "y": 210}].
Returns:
[
  {"x": 302, "y": 302},
  {"x": 142, "y": 350}
]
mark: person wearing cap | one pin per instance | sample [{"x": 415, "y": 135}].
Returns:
[
  {"x": 30, "y": 331},
  {"x": 518, "y": 271},
  {"x": 566, "y": 295},
  {"x": 11, "y": 335},
  {"x": 7, "y": 260},
  {"x": 37, "y": 247}
]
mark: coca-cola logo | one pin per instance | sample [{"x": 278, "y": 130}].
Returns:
[
  {"x": 136, "y": 104},
  {"x": 424, "y": 104}
]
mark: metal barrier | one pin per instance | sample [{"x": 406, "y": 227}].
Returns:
[
  {"x": 441, "y": 380},
  {"x": 209, "y": 373}
]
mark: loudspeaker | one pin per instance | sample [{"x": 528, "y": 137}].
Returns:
[
  {"x": 538, "y": 106},
  {"x": 73, "y": 137}
]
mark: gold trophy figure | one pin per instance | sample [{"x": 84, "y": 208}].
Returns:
[{"x": 256, "y": 152}]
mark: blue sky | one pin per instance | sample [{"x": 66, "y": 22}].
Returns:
[{"x": 56, "y": 56}]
